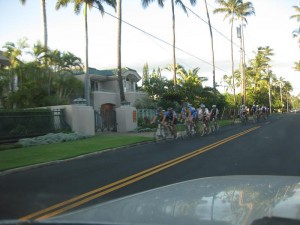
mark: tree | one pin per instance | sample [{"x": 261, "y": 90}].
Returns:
[
  {"x": 119, "y": 56},
  {"x": 155, "y": 85},
  {"x": 259, "y": 66},
  {"x": 14, "y": 53},
  {"x": 161, "y": 4},
  {"x": 232, "y": 9},
  {"x": 43, "y": 3},
  {"x": 296, "y": 32},
  {"x": 77, "y": 7},
  {"x": 28, "y": 84},
  {"x": 297, "y": 66},
  {"x": 212, "y": 46},
  {"x": 145, "y": 72},
  {"x": 190, "y": 84},
  {"x": 245, "y": 10}
]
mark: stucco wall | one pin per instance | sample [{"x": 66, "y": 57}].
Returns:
[{"x": 101, "y": 97}]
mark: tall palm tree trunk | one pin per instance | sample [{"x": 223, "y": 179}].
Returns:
[
  {"x": 174, "y": 56},
  {"x": 87, "y": 77},
  {"x": 243, "y": 66},
  {"x": 45, "y": 24},
  {"x": 120, "y": 80},
  {"x": 232, "y": 62},
  {"x": 270, "y": 95},
  {"x": 212, "y": 47}
]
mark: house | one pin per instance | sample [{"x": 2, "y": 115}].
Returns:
[
  {"x": 105, "y": 91},
  {"x": 3, "y": 60}
]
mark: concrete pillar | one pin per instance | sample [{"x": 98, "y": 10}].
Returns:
[
  {"x": 83, "y": 119},
  {"x": 126, "y": 118}
]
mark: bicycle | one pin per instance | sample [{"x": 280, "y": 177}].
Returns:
[
  {"x": 255, "y": 117},
  {"x": 160, "y": 133},
  {"x": 169, "y": 130},
  {"x": 181, "y": 129},
  {"x": 243, "y": 118},
  {"x": 200, "y": 128},
  {"x": 190, "y": 128},
  {"x": 203, "y": 127},
  {"x": 263, "y": 115},
  {"x": 163, "y": 133},
  {"x": 215, "y": 124}
]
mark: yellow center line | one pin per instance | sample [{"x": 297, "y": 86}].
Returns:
[{"x": 74, "y": 202}]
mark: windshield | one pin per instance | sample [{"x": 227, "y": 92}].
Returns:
[{"x": 157, "y": 110}]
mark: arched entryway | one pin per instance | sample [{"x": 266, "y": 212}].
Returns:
[{"x": 108, "y": 115}]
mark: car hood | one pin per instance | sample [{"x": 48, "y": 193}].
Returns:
[{"x": 215, "y": 200}]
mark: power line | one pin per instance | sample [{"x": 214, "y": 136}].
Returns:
[
  {"x": 165, "y": 42},
  {"x": 223, "y": 35}
]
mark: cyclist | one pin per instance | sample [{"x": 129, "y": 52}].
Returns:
[
  {"x": 253, "y": 109},
  {"x": 189, "y": 114},
  {"x": 258, "y": 112},
  {"x": 203, "y": 115},
  {"x": 170, "y": 116},
  {"x": 264, "y": 112},
  {"x": 158, "y": 115},
  {"x": 186, "y": 112},
  {"x": 214, "y": 112},
  {"x": 243, "y": 112}
]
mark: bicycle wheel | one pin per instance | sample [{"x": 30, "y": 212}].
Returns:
[
  {"x": 217, "y": 126},
  {"x": 181, "y": 131},
  {"x": 208, "y": 129},
  {"x": 254, "y": 118},
  {"x": 159, "y": 134},
  {"x": 201, "y": 129},
  {"x": 243, "y": 120},
  {"x": 212, "y": 127},
  {"x": 193, "y": 129},
  {"x": 169, "y": 132}
]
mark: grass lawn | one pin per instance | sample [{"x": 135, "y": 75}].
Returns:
[
  {"x": 223, "y": 123},
  {"x": 19, "y": 157}
]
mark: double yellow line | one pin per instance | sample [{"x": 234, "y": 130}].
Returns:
[{"x": 89, "y": 196}]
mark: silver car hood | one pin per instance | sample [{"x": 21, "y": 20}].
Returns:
[{"x": 215, "y": 200}]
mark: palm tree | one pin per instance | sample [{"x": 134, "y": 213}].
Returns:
[
  {"x": 297, "y": 66},
  {"x": 161, "y": 4},
  {"x": 212, "y": 46},
  {"x": 231, "y": 9},
  {"x": 77, "y": 7},
  {"x": 45, "y": 44},
  {"x": 120, "y": 80},
  {"x": 296, "y": 33},
  {"x": 14, "y": 52}
]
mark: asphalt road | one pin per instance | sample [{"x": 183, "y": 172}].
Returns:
[{"x": 268, "y": 148}]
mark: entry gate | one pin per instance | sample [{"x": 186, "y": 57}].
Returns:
[{"x": 105, "y": 120}]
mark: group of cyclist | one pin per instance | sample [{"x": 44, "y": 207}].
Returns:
[
  {"x": 255, "y": 110},
  {"x": 188, "y": 115}
]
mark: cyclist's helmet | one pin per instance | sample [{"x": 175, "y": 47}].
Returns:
[
  {"x": 170, "y": 109},
  {"x": 185, "y": 104},
  {"x": 214, "y": 106},
  {"x": 202, "y": 106}
]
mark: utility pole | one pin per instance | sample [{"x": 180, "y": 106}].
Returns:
[
  {"x": 270, "y": 96},
  {"x": 242, "y": 69}
]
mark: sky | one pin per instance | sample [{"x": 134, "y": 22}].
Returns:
[{"x": 270, "y": 26}]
